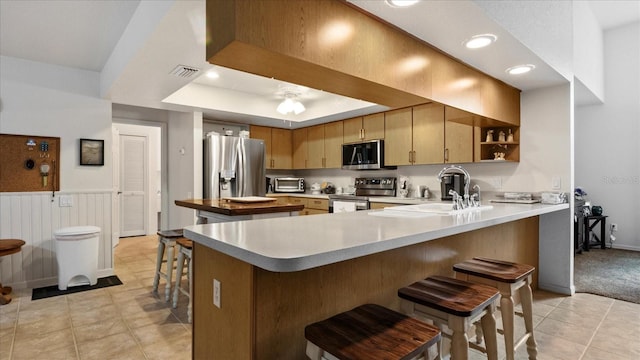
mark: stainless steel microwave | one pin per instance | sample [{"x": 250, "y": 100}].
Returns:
[
  {"x": 363, "y": 155},
  {"x": 289, "y": 184}
]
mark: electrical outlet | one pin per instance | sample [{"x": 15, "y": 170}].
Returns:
[
  {"x": 496, "y": 182},
  {"x": 614, "y": 227},
  {"x": 216, "y": 293},
  {"x": 556, "y": 183}
]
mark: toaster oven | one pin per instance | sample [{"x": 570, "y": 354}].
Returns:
[{"x": 289, "y": 185}]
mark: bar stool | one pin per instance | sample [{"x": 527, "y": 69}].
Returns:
[
  {"x": 510, "y": 279},
  {"x": 166, "y": 241},
  {"x": 370, "y": 332},
  {"x": 456, "y": 305},
  {"x": 185, "y": 247},
  {"x": 8, "y": 247}
]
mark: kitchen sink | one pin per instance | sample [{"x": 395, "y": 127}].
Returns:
[{"x": 436, "y": 208}]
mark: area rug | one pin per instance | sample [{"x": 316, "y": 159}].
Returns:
[
  {"x": 51, "y": 291},
  {"x": 612, "y": 273}
]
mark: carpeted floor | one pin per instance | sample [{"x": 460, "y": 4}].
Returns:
[{"x": 612, "y": 273}]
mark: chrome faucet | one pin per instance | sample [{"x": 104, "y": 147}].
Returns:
[{"x": 467, "y": 181}]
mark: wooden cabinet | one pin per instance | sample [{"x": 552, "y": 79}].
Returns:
[
  {"x": 499, "y": 101},
  {"x": 278, "y": 146},
  {"x": 370, "y": 127},
  {"x": 312, "y": 206},
  {"x": 458, "y": 139},
  {"x": 398, "y": 148},
  {"x": 300, "y": 152},
  {"x": 428, "y": 134},
  {"x": 321, "y": 146},
  {"x": 415, "y": 135},
  {"x": 376, "y": 205},
  {"x": 491, "y": 147}
]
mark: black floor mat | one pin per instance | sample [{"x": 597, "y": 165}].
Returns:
[{"x": 51, "y": 291}]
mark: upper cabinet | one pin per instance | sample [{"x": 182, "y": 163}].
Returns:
[
  {"x": 300, "y": 152},
  {"x": 415, "y": 136},
  {"x": 499, "y": 101},
  {"x": 278, "y": 146},
  {"x": 370, "y": 127},
  {"x": 428, "y": 134},
  {"x": 323, "y": 146},
  {"x": 458, "y": 139}
]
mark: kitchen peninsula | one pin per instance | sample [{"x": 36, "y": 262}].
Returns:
[{"x": 278, "y": 275}]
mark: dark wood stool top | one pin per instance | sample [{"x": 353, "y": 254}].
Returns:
[
  {"x": 456, "y": 297},
  {"x": 170, "y": 234},
  {"x": 372, "y": 332},
  {"x": 10, "y": 246},
  {"x": 497, "y": 270},
  {"x": 184, "y": 242}
]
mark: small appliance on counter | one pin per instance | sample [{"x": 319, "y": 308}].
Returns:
[
  {"x": 289, "y": 185},
  {"x": 453, "y": 182}
]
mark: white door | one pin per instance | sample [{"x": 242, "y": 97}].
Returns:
[{"x": 133, "y": 185}]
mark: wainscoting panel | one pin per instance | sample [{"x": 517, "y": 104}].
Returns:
[{"x": 34, "y": 216}]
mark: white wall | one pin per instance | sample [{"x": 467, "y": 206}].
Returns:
[
  {"x": 185, "y": 159},
  {"x": 587, "y": 50},
  {"x": 48, "y": 100},
  {"x": 607, "y": 145}
]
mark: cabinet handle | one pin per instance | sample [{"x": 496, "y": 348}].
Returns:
[
  {"x": 446, "y": 155},
  {"x": 413, "y": 156},
  {"x": 273, "y": 163},
  {"x": 362, "y": 134},
  {"x": 410, "y": 157}
]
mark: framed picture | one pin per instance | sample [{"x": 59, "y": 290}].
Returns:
[{"x": 91, "y": 152}]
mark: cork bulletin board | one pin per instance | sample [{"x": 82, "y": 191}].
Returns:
[{"x": 29, "y": 163}]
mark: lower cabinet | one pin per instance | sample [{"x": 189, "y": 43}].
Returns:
[
  {"x": 376, "y": 205},
  {"x": 311, "y": 206}
]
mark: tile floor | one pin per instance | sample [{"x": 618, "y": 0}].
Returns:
[
  {"x": 129, "y": 322},
  {"x": 119, "y": 322}
]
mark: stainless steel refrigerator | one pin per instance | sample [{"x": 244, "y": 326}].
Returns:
[{"x": 233, "y": 166}]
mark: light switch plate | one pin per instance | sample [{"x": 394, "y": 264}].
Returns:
[
  {"x": 65, "y": 201},
  {"x": 556, "y": 183}
]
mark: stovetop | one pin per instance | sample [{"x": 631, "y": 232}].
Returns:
[{"x": 376, "y": 186}]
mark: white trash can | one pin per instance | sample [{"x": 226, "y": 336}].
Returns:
[{"x": 77, "y": 254}]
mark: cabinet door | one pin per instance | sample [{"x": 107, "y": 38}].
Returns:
[
  {"x": 398, "y": 137},
  {"x": 458, "y": 139},
  {"x": 373, "y": 126},
  {"x": 428, "y": 134},
  {"x": 333, "y": 144},
  {"x": 300, "y": 148},
  {"x": 281, "y": 148},
  {"x": 352, "y": 130},
  {"x": 263, "y": 133},
  {"x": 315, "y": 147}
]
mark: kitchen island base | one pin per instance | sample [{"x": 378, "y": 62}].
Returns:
[{"x": 262, "y": 314}]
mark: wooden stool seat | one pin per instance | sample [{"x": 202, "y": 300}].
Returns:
[
  {"x": 166, "y": 241},
  {"x": 510, "y": 279},
  {"x": 8, "y": 247},
  {"x": 497, "y": 270},
  {"x": 456, "y": 305},
  {"x": 170, "y": 234},
  {"x": 370, "y": 332},
  {"x": 185, "y": 247}
]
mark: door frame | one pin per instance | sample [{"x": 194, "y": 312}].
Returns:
[{"x": 164, "y": 184}]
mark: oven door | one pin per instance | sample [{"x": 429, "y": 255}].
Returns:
[{"x": 347, "y": 203}]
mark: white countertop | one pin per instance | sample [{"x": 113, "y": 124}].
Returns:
[{"x": 304, "y": 242}]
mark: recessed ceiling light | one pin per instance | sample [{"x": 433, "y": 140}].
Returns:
[
  {"x": 520, "y": 69},
  {"x": 401, "y": 3},
  {"x": 212, "y": 74},
  {"x": 480, "y": 41}
]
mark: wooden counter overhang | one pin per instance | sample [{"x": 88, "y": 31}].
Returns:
[{"x": 229, "y": 208}]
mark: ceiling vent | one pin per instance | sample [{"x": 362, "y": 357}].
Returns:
[{"x": 184, "y": 71}]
